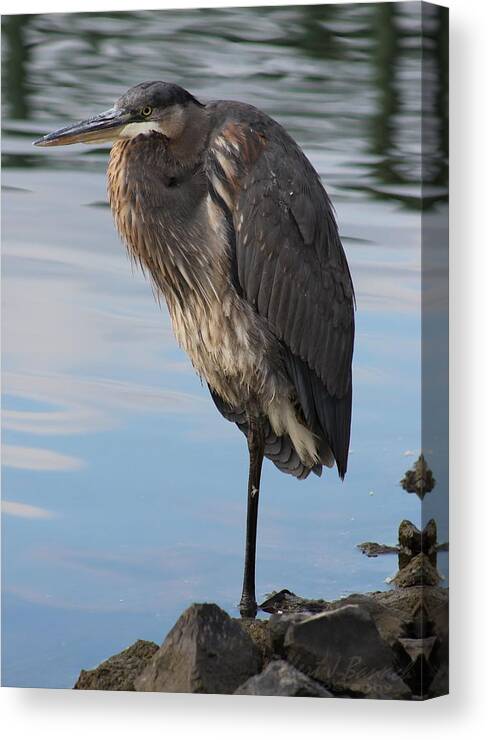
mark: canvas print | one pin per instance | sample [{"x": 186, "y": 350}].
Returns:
[{"x": 225, "y": 351}]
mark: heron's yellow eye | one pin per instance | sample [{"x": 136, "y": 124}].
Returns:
[{"x": 146, "y": 111}]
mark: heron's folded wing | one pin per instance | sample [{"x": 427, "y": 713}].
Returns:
[{"x": 289, "y": 263}]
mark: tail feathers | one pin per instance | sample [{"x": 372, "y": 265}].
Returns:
[
  {"x": 329, "y": 417},
  {"x": 278, "y": 449}
]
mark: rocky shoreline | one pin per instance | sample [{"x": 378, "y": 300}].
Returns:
[{"x": 381, "y": 645}]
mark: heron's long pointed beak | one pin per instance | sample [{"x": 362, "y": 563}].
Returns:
[{"x": 101, "y": 128}]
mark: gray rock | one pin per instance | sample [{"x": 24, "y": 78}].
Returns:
[
  {"x": 258, "y": 631},
  {"x": 206, "y": 652},
  {"x": 412, "y": 542},
  {"x": 417, "y": 648},
  {"x": 286, "y": 602},
  {"x": 278, "y": 625},
  {"x": 418, "y": 572},
  {"x": 409, "y": 600},
  {"x": 343, "y": 649},
  {"x": 118, "y": 672},
  {"x": 282, "y": 679},
  {"x": 390, "y": 622},
  {"x": 438, "y": 612},
  {"x": 419, "y": 480},
  {"x": 373, "y": 549},
  {"x": 440, "y": 683}
]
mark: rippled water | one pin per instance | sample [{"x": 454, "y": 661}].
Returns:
[{"x": 124, "y": 490}]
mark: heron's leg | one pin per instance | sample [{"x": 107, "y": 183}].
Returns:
[{"x": 255, "y": 442}]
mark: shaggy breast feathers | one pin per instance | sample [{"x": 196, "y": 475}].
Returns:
[{"x": 244, "y": 247}]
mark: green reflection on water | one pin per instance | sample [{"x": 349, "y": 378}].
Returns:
[{"x": 355, "y": 69}]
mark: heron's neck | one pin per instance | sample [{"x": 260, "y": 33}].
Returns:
[
  {"x": 187, "y": 142},
  {"x": 157, "y": 192}
]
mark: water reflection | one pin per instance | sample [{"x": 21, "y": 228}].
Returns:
[{"x": 142, "y": 523}]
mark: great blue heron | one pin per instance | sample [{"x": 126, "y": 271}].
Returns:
[{"x": 223, "y": 209}]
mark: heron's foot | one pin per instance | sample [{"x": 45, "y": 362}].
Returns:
[{"x": 248, "y": 607}]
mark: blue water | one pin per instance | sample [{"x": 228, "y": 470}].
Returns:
[{"x": 123, "y": 488}]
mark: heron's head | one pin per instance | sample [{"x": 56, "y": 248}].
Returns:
[{"x": 149, "y": 106}]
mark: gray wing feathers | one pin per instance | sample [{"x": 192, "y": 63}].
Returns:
[{"x": 291, "y": 267}]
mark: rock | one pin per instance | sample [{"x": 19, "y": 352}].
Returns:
[
  {"x": 419, "y": 480},
  {"x": 390, "y": 622},
  {"x": 343, "y": 649},
  {"x": 408, "y": 600},
  {"x": 373, "y": 549},
  {"x": 436, "y": 602},
  {"x": 258, "y": 631},
  {"x": 285, "y": 602},
  {"x": 438, "y": 611},
  {"x": 417, "y": 648},
  {"x": 278, "y": 625},
  {"x": 378, "y": 645},
  {"x": 418, "y": 572},
  {"x": 118, "y": 672},
  {"x": 206, "y": 652},
  {"x": 412, "y": 541},
  {"x": 426, "y": 612},
  {"x": 404, "y": 601},
  {"x": 440, "y": 683},
  {"x": 282, "y": 679}
]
